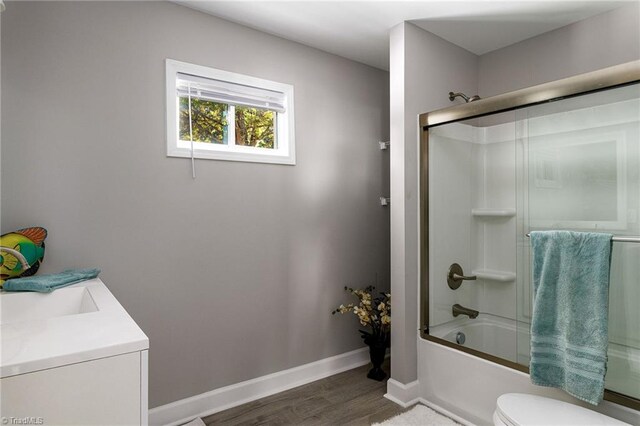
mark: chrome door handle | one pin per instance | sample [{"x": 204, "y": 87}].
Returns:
[{"x": 456, "y": 276}]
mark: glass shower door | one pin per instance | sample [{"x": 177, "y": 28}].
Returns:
[
  {"x": 580, "y": 171},
  {"x": 472, "y": 233}
]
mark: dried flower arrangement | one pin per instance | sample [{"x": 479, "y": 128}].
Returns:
[{"x": 372, "y": 312}]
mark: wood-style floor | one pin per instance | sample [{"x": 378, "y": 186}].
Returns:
[{"x": 348, "y": 398}]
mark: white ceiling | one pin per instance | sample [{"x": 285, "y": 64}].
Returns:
[{"x": 359, "y": 30}]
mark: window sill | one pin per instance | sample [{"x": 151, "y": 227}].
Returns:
[{"x": 247, "y": 157}]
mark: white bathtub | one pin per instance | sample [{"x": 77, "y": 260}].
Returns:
[
  {"x": 509, "y": 339},
  {"x": 490, "y": 334}
]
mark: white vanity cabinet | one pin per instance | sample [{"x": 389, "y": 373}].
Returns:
[{"x": 81, "y": 362}]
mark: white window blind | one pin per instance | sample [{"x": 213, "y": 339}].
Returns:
[{"x": 229, "y": 93}]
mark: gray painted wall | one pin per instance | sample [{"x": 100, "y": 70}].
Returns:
[
  {"x": 424, "y": 68},
  {"x": 598, "y": 42},
  {"x": 232, "y": 275}
]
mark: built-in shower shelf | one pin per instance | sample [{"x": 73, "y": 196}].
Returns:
[
  {"x": 493, "y": 212},
  {"x": 493, "y": 275}
]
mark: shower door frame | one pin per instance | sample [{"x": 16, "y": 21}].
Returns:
[{"x": 595, "y": 81}]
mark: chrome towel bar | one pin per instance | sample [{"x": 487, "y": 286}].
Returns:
[{"x": 617, "y": 239}]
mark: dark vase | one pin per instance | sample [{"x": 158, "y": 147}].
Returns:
[{"x": 377, "y": 351}]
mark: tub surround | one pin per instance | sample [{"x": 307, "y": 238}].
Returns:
[{"x": 607, "y": 113}]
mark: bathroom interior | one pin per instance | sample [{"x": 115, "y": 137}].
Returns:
[{"x": 168, "y": 261}]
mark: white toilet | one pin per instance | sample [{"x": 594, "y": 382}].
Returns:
[{"x": 520, "y": 409}]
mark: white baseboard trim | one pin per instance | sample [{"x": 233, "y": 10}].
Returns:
[
  {"x": 185, "y": 410},
  {"x": 409, "y": 394},
  {"x": 439, "y": 409},
  {"x": 401, "y": 394}
]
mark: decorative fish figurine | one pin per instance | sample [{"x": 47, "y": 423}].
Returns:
[{"x": 30, "y": 243}]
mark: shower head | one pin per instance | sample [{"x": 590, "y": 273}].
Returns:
[{"x": 467, "y": 99}]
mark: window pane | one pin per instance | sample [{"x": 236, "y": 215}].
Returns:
[
  {"x": 209, "y": 121},
  {"x": 255, "y": 127}
]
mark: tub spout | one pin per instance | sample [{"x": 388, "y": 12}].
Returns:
[{"x": 461, "y": 310}]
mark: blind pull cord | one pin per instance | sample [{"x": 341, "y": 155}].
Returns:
[{"x": 193, "y": 160}]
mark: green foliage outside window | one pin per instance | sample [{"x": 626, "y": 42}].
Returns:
[
  {"x": 209, "y": 120},
  {"x": 253, "y": 126}
]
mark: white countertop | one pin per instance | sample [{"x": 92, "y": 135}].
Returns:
[{"x": 39, "y": 343}]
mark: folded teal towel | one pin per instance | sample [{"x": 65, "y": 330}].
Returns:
[
  {"x": 569, "y": 328},
  {"x": 48, "y": 283}
]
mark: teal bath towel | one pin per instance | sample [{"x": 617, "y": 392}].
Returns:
[
  {"x": 569, "y": 327},
  {"x": 48, "y": 283}
]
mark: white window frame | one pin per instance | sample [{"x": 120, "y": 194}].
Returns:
[{"x": 282, "y": 153}]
